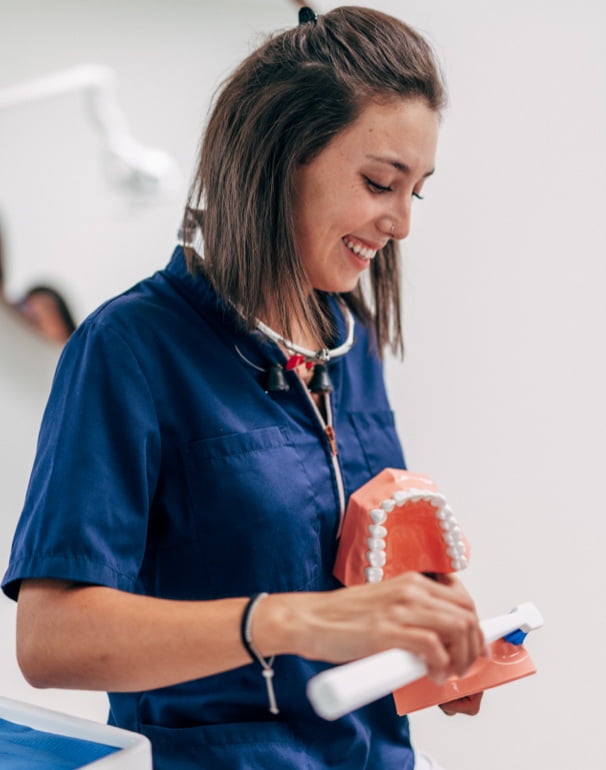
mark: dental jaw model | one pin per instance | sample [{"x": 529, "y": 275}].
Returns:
[{"x": 400, "y": 522}]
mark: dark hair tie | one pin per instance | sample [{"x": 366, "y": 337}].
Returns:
[{"x": 307, "y": 14}]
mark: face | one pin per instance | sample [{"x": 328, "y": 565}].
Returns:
[
  {"x": 356, "y": 195},
  {"x": 42, "y": 311}
]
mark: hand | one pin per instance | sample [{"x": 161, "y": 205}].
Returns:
[
  {"x": 469, "y": 704},
  {"x": 433, "y": 619}
]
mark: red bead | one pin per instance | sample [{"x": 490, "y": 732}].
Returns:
[{"x": 295, "y": 360}]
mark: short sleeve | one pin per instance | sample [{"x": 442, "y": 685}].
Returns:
[{"x": 85, "y": 516}]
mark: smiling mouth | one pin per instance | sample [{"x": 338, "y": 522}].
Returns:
[{"x": 360, "y": 251}]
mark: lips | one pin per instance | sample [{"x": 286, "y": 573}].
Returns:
[{"x": 358, "y": 248}]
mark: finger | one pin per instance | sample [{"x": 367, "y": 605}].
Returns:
[
  {"x": 452, "y": 589},
  {"x": 469, "y": 705},
  {"x": 427, "y": 646},
  {"x": 468, "y": 641},
  {"x": 456, "y": 629}
]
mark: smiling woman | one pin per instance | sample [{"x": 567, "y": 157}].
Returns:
[
  {"x": 299, "y": 92},
  {"x": 353, "y": 198},
  {"x": 189, "y": 571}
]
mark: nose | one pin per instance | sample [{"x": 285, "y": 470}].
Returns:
[
  {"x": 401, "y": 228},
  {"x": 396, "y": 224}
]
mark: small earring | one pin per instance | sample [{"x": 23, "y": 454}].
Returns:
[{"x": 393, "y": 228}]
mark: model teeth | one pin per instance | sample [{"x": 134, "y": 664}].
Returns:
[
  {"x": 445, "y": 513},
  {"x": 375, "y": 542},
  {"x": 360, "y": 251},
  {"x": 459, "y": 563},
  {"x": 376, "y": 558},
  {"x": 453, "y": 538},
  {"x": 373, "y": 574},
  {"x": 378, "y": 515},
  {"x": 453, "y": 551},
  {"x": 400, "y": 497},
  {"x": 376, "y": 530},
  {"x": 452, "y": 535}
]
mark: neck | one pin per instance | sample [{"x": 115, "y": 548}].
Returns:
[{"x": 317, "y": 352}]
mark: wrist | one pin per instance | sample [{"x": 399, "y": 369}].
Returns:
[{"x": 275, "y": 628}]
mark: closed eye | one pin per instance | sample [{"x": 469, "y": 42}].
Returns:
[
  {"x": 376, "y": 187},
  {"x": 418, "y": 197}
]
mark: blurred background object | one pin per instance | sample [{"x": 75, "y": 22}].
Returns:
[
  {"x": 46, "y": 308},
  {"x": 144, "y": 173}
]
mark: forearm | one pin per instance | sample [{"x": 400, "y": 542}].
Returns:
[
  {"x": 97, "y": 638},
  {"x": 92, "y": 637}
]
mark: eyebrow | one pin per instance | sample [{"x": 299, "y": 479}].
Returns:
[{"x": 398, "y": 165}]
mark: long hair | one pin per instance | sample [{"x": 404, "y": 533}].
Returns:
[{"x": 280, "y": 108}]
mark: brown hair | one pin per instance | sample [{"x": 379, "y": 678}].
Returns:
[{"x": 280, "y": 108}]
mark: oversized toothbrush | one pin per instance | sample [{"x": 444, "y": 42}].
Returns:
[{"x": 399, "y": 522}]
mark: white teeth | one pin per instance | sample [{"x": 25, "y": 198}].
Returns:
[
  {"x": 453, "y": 551},
  {"x": 361, "y": 251},
  {"x": 373, "y": 574},
  {"x": 375, "y": 543},
  {"x": 400, "y": 497},
  {"x": 452, "y": 535},
  {"x": 453, "y": 538},
  {"x": 459, "y": 563},
  {"x": 375, "y": 530},
  {"x": 376, "y": 558},
  {"x": 378, "y": 515},
  {"x": 445, "y": 513}
]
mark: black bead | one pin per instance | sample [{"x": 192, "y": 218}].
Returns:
[
  {"x": 306, "y": 15},
  {"x": 320, "y": 381},
  {"x": 276, "y": 379}
]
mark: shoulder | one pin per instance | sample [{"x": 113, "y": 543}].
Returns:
[
  {"x": 150, "y": 302},
  {"x": 150, "y": 317}
]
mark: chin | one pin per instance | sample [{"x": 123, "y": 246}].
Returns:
[{"x": 337, "y": 286}]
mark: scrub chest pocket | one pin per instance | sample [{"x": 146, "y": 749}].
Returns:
[{"x": 255, "y": 511}]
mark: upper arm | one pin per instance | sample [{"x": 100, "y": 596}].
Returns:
[{"x": 38, "y": 599}]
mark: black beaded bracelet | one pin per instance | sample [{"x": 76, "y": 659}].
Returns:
[{"x": 266, "y": 665}]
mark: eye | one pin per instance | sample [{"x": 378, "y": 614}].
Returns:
[
  {"x": 418, "y": 197},
  {"x": 376, "y": 187}
]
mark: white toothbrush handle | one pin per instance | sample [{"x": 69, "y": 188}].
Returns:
[{"x": 342, "y": 689}]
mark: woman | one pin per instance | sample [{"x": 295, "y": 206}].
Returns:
[{"x": 192, "y": 458}]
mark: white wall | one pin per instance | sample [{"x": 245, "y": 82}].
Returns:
[{"x": 500, "y": 397}]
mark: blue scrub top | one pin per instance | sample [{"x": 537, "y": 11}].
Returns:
[{"x": 164, "y": 468}]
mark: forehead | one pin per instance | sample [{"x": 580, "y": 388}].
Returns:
[{"x": 402, "y": 129}]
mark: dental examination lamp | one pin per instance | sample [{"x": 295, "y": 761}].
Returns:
[{"x": 144, "y": 174}]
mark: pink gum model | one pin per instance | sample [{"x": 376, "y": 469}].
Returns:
[
  {"x": 400, "y": 522},
  {"x": 396, "y": 523}
]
